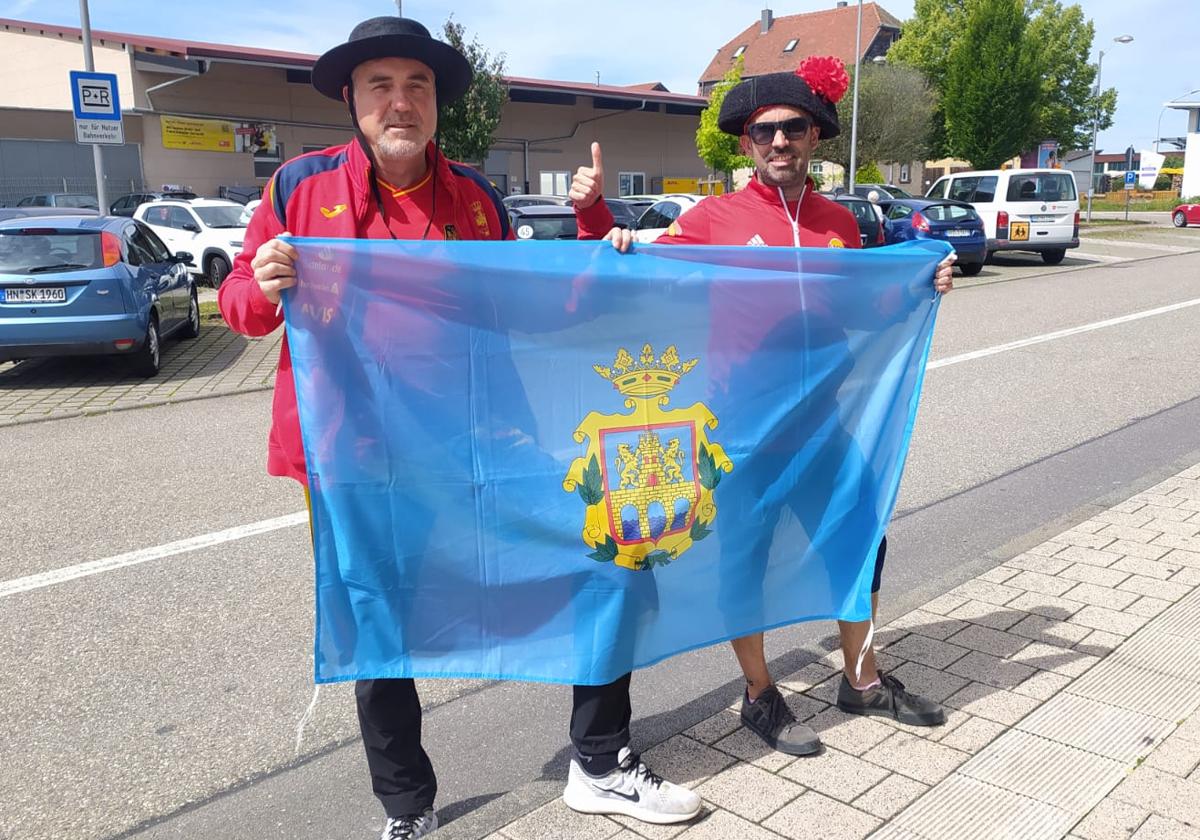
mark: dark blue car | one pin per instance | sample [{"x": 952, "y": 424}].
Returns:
[
  {"x": 950, "y": 221},
  {"x": 86, "y": 285}
]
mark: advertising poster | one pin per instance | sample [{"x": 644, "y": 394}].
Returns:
[{"x": 197, "y": 135}]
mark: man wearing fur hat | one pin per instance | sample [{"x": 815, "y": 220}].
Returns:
[
  {"x": 392, "y": 182},
  {"x": 779, "y": 118}
]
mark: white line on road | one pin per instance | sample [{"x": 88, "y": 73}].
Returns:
[
  {"x": 1083, "y": 255},
  {"x": 158, "y": 552},
  {"x": 1052, "y": 336},
  {"x": 1145, "y": 246},
  {"x": 132, "y": 558}
]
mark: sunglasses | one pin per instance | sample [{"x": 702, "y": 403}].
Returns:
[{"x": 763, "y": 133}]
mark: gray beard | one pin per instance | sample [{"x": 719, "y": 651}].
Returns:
[{"x": 398, "y": 149}]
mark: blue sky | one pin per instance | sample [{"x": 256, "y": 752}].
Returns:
[{"x": 631, "y": 41}]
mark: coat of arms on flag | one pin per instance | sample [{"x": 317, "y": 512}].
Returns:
[{"x": 648, "y": 477}]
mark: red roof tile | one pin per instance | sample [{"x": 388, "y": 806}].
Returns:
[{"x": 827, "y": 32}]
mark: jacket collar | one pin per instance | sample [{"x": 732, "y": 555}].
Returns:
[
  {"x": 771, "y": 194},
  {"x": 359, "y": 168}
]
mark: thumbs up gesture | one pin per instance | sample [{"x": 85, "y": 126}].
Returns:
[{"x": 588, "y": 183}]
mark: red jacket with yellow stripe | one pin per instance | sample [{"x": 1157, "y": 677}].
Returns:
[{"x": 328, "y": 193}]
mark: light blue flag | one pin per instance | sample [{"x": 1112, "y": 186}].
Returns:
[{"x": 549, "y": 461}]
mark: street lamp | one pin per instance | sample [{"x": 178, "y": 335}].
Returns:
[
  {"x": 854, "y": 106},
  {"x": 1163, "y": 110},
  {"x": 1120, "y": 39}
]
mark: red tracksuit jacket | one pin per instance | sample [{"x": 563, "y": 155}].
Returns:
[{"x": 327, "y": 193}]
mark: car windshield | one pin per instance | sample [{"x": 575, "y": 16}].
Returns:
[
  {"x": 220, "y": 217},
  {"x": 896, "y": 192},
  {"x": 34, "y": 250},
  {"x": 1042, "y": 186},
  {"x": 547, "y": 227},
  {"x": 949, "y": 213}
]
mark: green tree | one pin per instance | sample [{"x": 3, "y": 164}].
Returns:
[
  {"x": 467, "y": 126},
  {"x": 991, "y": 86},
  {"x": 1059, "y": 39},
  {"x": 895, "y": 106},
  {"x": 868, "y": 174},
  {"x": 716, "y": 148}
]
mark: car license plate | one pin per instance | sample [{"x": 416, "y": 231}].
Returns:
[
  {"x": 53, "y": 294},
  {"x": 958, "y": 232},
  {"x": 1042, "y": 218}
]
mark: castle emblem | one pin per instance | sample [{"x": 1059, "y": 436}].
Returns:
[{"x": 648, "y": 477}]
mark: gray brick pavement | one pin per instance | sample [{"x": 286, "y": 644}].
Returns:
[
  {"x": 218, "y": 362},
  {"x": 1071, "y": 674}
]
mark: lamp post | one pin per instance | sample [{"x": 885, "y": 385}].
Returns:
[
  {"x": 854, "y": 106},
  {"x": 1163, "y": 110},
  {"x": 1120, "y": 39}
]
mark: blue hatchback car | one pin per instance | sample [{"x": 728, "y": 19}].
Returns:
[
  {"x": 86, "y": 285},
  {"x": 955, "y": 222}
]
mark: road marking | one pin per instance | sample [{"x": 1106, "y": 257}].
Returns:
[
  {"x": 158, "y": 552},
  {"x": 1083, "y": 255},
  {"x": 1052, "y": 336},
  {"x": 1121, "y": 243},
  {"x": 145, "y": 555}
]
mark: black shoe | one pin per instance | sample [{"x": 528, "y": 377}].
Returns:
[
  {"x": 889, "y": 699},
  {"x": 770, "y": 718},
  {"x": 410, "y": 827}
]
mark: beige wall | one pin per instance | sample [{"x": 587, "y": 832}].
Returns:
[
  {"x": 658, "y": 144},
  {"x": 27, "y": 124},
  {"x": 35, "y": 69}
]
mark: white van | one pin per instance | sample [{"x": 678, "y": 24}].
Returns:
[{"x": 1022, "y": 209}]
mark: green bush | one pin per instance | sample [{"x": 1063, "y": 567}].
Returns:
[{"x": 868, "y": 174}]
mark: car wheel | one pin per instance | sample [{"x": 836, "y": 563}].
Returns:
[
  {"x": 1054, "y": 257},
  {"x": 148, "y": 359},
  {"x": 971, "y": 269},
  {"x": 191, "y": 329},
  {"x": 1179, "y": 219},
  {"x": 217, "y": 269}
]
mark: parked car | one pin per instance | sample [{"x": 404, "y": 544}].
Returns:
[
  {"x": 1186, "y": 214},
  {"x": 1022, "y": 209},
  {"x": 87, "y": 202},
  {"x": 248, "y": 211},
  {"x": 885, "y": 191},
  {"x": 654, "y": 222},
  {"x": 82, "y": 285},
  {"x": 544, "y": 221},
  {"x": 871, "y": 224},
  {"x": 126, "y": 204},
  {"x": 514, "y": 201},
  {"x": 209, "y": 228},
  {"x": 30, "y": 212},
  {"x": 625, "y": 213},
  {"x": 950, "y": 221}
]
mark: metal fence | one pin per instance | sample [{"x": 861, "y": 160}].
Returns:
[{"x": 15, "y": 187}]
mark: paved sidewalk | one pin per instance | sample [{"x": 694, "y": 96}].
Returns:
[
  {"x": 1072, "y": 678},
  {"x": 218, "y": 362}
]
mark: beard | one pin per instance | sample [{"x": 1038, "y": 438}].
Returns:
[
  {"x": 393, "y": 147},
  {"x": 778, "y": 176}
]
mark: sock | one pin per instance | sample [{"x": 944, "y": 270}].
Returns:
[
  {"x": 875, "y": 683},
  {"x": 599, "y": 764}
]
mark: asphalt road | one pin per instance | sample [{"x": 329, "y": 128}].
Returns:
[{"x": 162, "y": 699}]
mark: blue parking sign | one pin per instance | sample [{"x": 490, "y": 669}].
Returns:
[
  {"x": 95, "y": 96},
  {"x": 1131, "y": 180}
]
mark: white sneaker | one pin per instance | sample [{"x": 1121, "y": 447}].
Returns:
[
  {"x": 410, "y": 827},
  {"x": 631, "y": 789}
]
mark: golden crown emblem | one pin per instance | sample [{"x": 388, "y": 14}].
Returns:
[{"x": 645, "y": 376}]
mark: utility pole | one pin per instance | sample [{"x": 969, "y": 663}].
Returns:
[
  {"x": 399, "y": 10},
  {"x": 854, "y": 107},
  {"x": 89, "y": 64}
]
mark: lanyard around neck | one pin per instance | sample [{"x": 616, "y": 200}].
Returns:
[{"x": 795, "y": 220}]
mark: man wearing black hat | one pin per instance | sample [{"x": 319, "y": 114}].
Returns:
[
  {"x": 780, "y": 118},
  {"x": 393, "y": 182}
]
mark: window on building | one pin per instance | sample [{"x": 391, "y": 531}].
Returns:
[
  {"x": 790, "y": 45},
  {"x": 265, "y": 162},
  {"x": 314, "y": 147},
  {"x": 631, "y": 183},
  {"x": 555, "y": 183},
  {"x": 905, "y": 174},
  {"x": 737, "y": 53}
]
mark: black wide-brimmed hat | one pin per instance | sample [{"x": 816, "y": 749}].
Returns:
[
  {"x": 816, "y": 86},
  {"x": 393, "y": 37}
]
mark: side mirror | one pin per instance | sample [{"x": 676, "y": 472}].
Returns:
[
  {"x": 191, "y": 226},
  {"x": 183, "y": 257}
]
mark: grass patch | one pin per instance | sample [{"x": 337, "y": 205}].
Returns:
[
  {"x": 210, "y": 312},
  {"x": 1134, "y": 206},
  {"x": 1094, "y": 223}
]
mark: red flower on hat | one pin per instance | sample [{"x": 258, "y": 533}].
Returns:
[{"x": 826, "y": 76}]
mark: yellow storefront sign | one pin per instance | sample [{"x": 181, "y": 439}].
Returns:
[
  {"x": 197, "y": 135},
  {"x": 680, "y": 185}
]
